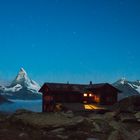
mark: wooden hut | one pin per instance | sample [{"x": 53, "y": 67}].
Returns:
[{"x": 77, "y": 93}]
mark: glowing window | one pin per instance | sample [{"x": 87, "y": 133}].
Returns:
[
  {"x": 90, "y": 95},
  {"x": 85, "y": 94},
  {"x": 97, "y": 99}
]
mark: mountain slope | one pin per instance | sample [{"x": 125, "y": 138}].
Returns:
[
  {"x": 23, "y": 80},
  {"x": 128, "y": 88},
  {"x": 22, "y": 87}
]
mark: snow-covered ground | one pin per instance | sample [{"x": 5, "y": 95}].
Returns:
[{"x": 33, "y": 105}]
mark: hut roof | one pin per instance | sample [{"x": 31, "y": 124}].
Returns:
[{"x": 74, "y": 87}]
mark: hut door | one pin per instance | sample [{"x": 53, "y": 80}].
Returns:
[{"x": 48, "y": 103}]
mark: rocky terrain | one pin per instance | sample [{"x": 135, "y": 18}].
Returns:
[
  {"x": 54, "y": 126},
  {"x": 120, "y": 123}
]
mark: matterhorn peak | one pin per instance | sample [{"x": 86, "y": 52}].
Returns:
[
  {"x": 22, "y": 70},
  {"x": 22, "y": 87},
  {"x": 22, "y": 76},
  {"x": 23, "y": 80}
]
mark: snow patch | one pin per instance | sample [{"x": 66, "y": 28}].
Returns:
[
  {"x": 122, "y": 81},
  {"x": 131, "y": 85},
  {"x": 13, "y": 89},
  {"x": 137, "y": 88}
]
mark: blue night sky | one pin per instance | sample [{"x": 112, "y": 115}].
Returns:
[{"x": 70, "y": 40}]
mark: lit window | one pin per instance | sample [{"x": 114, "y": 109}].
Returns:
[
  {"x": 90, "y": 95},
  {"x": 85, "y": 94},
  {"x": 97, "y": 99}
]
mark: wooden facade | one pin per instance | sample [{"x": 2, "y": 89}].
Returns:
[
  {"x": 104, "y": 94},
  {"x": 54, "y": 93}
]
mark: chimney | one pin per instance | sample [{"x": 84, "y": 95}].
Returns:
[{"x": 90, "y": 83}]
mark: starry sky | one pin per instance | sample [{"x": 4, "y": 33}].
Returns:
[{"x": 70, "y": 40}]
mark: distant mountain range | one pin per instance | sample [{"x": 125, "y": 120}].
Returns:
[
  {"x": 128, "y": 88},
  {"x": 22, "y": 87}
]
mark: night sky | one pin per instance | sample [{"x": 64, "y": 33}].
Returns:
[{"x": 70, "y": 40}]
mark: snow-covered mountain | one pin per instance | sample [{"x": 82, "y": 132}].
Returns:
[
  {"x": 128, "y": 88},
  {"x": 22, "y": 87},
  {"x": 22, "y": 80}
]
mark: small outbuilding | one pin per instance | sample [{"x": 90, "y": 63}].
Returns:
[{"x": 54, "y": 93}]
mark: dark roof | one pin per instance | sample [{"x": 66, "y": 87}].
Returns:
[
  {"x": 101, "y": 85},
  {"x": 74, "y": 87},
  {"x": 64, "y": 87}
]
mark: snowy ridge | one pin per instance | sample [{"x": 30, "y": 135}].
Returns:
[
  {"x": 13, "y": 89},
  {"x": 133, "y": 84},
  {"x": 23, "y": 80},
  {"x": 128, "y": 88},
  {"x": 122, "y": 81},
  {"x": 22, "y": 87},
  {"x": 136, "y": 87}
]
